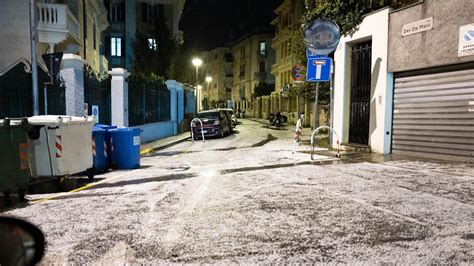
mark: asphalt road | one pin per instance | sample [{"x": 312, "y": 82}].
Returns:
[{"x": 247, "y": 199}]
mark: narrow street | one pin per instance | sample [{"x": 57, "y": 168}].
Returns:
[{"x": 247, "y": 199}]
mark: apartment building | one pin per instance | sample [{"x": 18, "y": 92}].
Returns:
[
  {"x": 253, "y": 58},
  {"x": 68, "y": 26},
  {"x": 218, "y": 66},
  {"x": 288, "y": 16},
  {"x": 126, "y": 17}
]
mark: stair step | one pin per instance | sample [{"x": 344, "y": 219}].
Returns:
[{"x": 355, "y": 148}]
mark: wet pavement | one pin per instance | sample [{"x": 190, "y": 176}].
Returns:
[{"x": 247, "y": 199}]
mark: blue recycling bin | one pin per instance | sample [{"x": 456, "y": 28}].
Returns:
[
  {"x": 125, "y": 147},
  {"x": 108, "y": 145},
  {"x": 99, "y": 149}
]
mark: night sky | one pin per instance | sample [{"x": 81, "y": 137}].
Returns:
[{"x": 211, "y": 23}]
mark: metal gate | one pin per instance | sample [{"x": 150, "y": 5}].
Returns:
[
  {"x": 16, "y": 96},
  {"x": 434, "y": 116},
  {"x": 97, "y": 92},
  {"x": 360, "y": 93}
]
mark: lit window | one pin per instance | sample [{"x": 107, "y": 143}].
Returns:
[
  {"x": 116, "y": 46},
  {"x": 152, "y": 44},
  {"x": 263, "y": 48}
]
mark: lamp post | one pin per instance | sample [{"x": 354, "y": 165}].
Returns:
[
  {"x": 197, "y": 62},
  {"x": 199, "y": 97},
  {"x": 208, "y": 80}
]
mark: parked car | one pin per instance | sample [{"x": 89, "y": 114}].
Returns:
[
  {"x": 231, "y": 115},
  {"x": 215, "y": 124}
]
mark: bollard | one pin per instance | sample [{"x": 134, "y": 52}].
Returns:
[
  {"x": 338, "y": 155},
  {"x": 192, "y": 131}
]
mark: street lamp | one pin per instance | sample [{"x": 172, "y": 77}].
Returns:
[
  {"x": 199, "y": 96},
  {"x": 208, "y": 80},
  {"x": 197, "y": 62}
]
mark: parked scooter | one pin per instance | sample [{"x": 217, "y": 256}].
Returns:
[
  {"x": 276, "y": 120},
  {"x": 240, "y": 114}
]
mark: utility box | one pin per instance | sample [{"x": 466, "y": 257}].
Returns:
[{"x": 62, "y": 145}]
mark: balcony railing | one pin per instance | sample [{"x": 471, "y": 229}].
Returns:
[{"x": 55, "y": 22}]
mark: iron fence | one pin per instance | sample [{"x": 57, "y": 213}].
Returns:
[
  {"x": 16, "y": 95},
  {"x": 148, "y": 102}
]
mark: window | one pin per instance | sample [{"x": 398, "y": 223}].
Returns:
[
  {"x": 242, "y": 71},
  {"x": 228, "y": 57},
  {"x": 262, "y": 66},
  {"x": 242, "y": 52},
  {"x": 116, "y": 46},
  {"x": 228, "y": 72},
  {"x": 228, "y": 88},
  {"x": 263, "y": 48},
  {"x": 215, "y": 57},
  {"x": 150, "y": 12},
  {"x": 115, "y": 13},
  {"x": 152, "y": 44}
]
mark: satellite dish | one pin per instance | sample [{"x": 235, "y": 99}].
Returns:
[{"x": 322, "y": 36}]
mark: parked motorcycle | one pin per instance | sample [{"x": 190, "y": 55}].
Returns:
[{"x": 276, "y": 120}]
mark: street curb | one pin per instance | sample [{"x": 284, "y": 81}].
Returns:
[{"x": 162, "y": 146}]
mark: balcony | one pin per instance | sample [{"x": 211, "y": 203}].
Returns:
[{"x": 56, "y": 23}]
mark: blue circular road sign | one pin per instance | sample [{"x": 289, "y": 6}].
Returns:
[{"x": 322, "y": 36}]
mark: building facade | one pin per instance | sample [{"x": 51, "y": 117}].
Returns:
[
  {"x": 218, "y": 66},
  {"x": 431, "y": 57},
  {"x": 68, "y": 26},
  {"x": 403, "y": 82},
  {"x": 253, "y": 58},
  {"x": 363, "y": 87},
  {"x": 127, "y": 16},
  {"x": 288, "y": 16}
]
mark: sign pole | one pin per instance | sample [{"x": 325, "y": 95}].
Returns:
[
  {"x": 34, "y": 65},
  {"x": 315, "y": 112},
  {"x": 331, "y": 104}
]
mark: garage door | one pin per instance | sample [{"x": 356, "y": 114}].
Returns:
[{"x": 433, "y": 116}]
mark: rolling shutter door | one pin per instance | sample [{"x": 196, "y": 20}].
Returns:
[{"x": 433, "y": 116}]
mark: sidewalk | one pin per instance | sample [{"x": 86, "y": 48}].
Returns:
[{"x": 162, "y": 143}]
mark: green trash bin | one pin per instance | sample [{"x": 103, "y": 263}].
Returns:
[{"x": 14, "y": 162}]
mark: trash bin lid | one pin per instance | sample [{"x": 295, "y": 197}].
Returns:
[
  {"x": 98, "y": 129},
  {"x": 107, "y": 127},
  {"x": 58, "y": 119}
]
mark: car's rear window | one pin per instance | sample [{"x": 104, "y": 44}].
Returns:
[{"x": 214, "y": 116}]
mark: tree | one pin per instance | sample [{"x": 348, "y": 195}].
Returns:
[
  {"x": 154, "y": 49},
  {"x": 181, "y": 68}
]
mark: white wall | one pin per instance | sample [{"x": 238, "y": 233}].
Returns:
[{"x": 375, "y": 28}]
